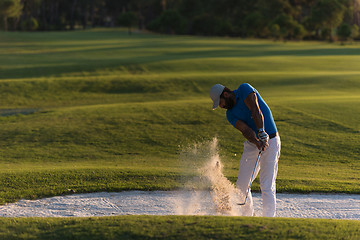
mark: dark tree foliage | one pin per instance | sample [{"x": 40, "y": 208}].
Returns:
[
  {"x": 127, "y": 19},
  {"x": 278, "y": 19},
  {"x": 344, "y": 32}
]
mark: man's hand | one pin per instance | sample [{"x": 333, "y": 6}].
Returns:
[
  {"x": 262, "y": 145},
  {"x": 263, "y": 139},
  {"x": 263, "y": 136},
  {"x": 250, "y": 135}
]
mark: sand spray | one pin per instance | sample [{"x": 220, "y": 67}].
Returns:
[{"x": 205, "y": 160}]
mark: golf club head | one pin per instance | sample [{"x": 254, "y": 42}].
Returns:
[{"x": 242, "y": 204}]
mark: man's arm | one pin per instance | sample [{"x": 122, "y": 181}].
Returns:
[
  {"x": 249, "y": 134},
  {"x": 252, "y": 103}
]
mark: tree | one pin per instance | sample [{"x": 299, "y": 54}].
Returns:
[
  {"x": 30, "y": 14},
  {"x": 29, "y": 24},
  {"x": 10, "y": 9},
  {"x": 253, "y": 24},
  {"x": 288, "y": 27},
  {"x": 127, "y": 19},
  {"x": 328, "y": 14},
  {"x": 209, "y": 25},
  {"x": 354, "y": 31},
  {"x": 275, "y": 31},
  {"x": 344, "y": 32},
  {"x": 170, "y": 21},
  {"x": 299, "y": 32},
  {"x": 356, "y": 12}
]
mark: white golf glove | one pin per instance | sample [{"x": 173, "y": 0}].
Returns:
[{"x": 263, "y": 136}]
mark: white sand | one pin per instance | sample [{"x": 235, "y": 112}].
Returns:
[{"x": 334, "y": 206}]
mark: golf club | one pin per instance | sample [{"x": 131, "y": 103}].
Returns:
[{"x": 251, "y": 180}]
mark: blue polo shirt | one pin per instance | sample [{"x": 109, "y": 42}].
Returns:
[{"x": 241, "y": 112}]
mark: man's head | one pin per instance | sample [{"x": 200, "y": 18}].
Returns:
[{"x": 222, "y": 96}]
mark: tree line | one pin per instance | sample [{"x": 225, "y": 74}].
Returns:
[{"x": 277, "y": 19}]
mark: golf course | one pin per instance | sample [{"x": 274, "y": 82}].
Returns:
[{"x": 101, "y": 110}]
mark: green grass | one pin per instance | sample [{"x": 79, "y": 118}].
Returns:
[
  {"x": 107, "y": 108},
  {"x": 177, "y": 227},
  {"x": 100, "y": 110}
]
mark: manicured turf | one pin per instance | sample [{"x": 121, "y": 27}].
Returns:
[
  {"x": 100, "y": 110},
  {"x": 103, "y": 107},
  {"x": 177, "y": 227}
]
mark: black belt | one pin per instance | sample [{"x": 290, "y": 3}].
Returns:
[{"x": 272, "y": 135}]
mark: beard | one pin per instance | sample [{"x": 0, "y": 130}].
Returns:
[{"x": 229, "y": 102}]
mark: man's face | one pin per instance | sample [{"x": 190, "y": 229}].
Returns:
[{"x": 227, "y": 101}]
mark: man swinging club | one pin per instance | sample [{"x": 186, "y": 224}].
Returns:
[{"x": 249, "y": 113}]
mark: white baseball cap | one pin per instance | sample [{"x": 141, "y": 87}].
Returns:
[{"x": 215, "y": 93}]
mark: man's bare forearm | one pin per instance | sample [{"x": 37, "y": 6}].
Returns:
[
  {"x": 253, "y": 105},
  {"x": 250, "y": 135},
  {"x": 247, "y": 132},
  {"x": 258, "y": 118}
]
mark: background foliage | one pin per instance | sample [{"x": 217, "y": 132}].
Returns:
[{"x": 278, "y": 19}]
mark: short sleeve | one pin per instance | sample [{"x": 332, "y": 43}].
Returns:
[{"x": 245, "y": 89}]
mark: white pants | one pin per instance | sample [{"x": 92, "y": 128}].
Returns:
[{"x": 268, "y": 167}]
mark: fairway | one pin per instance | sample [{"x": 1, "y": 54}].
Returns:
[
  {"x": 101, "y": 110},
  {"x": 107, "y": 111},
  {"x": 177, "y": 227}
]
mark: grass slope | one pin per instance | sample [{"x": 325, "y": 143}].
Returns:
[
  {"x": 101, "y": 110},
  {"x": 177, "y": 227}
]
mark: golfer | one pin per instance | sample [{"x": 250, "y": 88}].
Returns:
[{"x": 249, "y": 113}]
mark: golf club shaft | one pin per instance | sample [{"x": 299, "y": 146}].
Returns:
[{"x": 251, "y": 180}]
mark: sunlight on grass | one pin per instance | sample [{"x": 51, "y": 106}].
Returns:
[{"x": 128, "y": 105}]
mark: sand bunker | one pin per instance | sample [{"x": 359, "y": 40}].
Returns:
[
  {"x": 334, "y": 206},
  {"x": 220, "y": 198}
]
